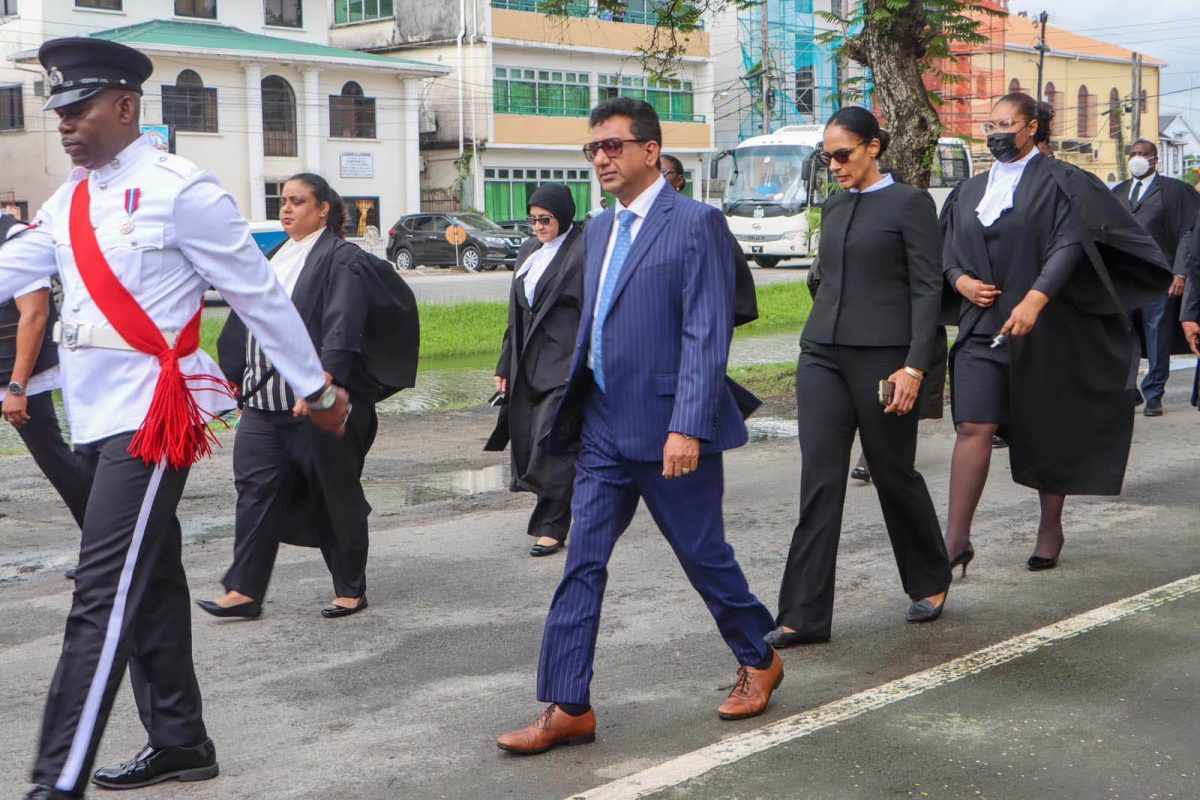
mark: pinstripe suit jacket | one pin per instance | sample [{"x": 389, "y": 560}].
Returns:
[{"x": 666, "y": 337}]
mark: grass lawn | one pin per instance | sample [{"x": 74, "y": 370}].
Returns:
[
  {"x": 475, "y": 329},
  {"x": 768, "y": 381}
]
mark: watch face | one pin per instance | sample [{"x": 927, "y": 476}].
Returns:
[{"x": 16, "y": 389}]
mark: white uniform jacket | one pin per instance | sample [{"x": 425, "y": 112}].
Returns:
[{"x": 184, "y": 235}]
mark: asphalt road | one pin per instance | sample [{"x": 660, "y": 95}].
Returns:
[
  {"x": 434, "y": 285},
  {"x": 405, "y": 699}
]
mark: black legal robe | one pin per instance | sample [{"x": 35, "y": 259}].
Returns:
[
  {"x": 1071, "y": 385},
  {"x": 331, "y": 296},
  {"x": 1167, "y": 210},
  {"x": 535, "y": 359}
]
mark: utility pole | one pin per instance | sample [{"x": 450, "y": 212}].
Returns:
[
  {"x": 1137, "y": 97},
  {"x": 1120, "y": 127},
  {"x": 765, "y": 76},
  {"x": 1041, "y": 48}
]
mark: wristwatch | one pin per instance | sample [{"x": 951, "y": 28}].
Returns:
[
  {"x": 16, "y": 389},
  {"x": 325, "y": 399}
]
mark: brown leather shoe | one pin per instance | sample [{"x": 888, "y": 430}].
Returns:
[
  {"x": 752, "y": 691},
  {"x": 553, "y": 727}
]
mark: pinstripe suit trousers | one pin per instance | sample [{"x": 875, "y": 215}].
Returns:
[{"x": 687, "y": 511}]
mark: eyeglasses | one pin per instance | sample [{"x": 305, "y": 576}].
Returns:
[
  {"x": 540, "y": 220},
  {"x": 840, "y": 156},
  {"x": 990, "y": 127},
  {"x": 668, "y": 172},
  {"x": 611, "y": 147}
]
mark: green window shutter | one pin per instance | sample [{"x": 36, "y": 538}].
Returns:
[
  {"x": 579, "y": 101},
  {"x": 581, "y": 193},
  {"x": 550, "y": 99},
  {"x": 500, "y": 96},
  {"x": 496, "y": 201},
  {"x": 521, "y": 97},
  {"x": 660, "y": 100},
  {"x": 682, "y": 106}
]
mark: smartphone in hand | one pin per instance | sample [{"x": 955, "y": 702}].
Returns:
[{"x": 887, "y": 390}]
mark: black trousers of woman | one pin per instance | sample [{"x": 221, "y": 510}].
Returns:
[
  {"x": 837, "y": 394},
  {"x": 271, "y": 451}
]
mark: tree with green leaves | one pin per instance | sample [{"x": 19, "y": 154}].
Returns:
[{"x": 896, "y": 41}]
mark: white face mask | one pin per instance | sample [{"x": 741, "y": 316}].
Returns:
[{"x": 1139, "y": 166}]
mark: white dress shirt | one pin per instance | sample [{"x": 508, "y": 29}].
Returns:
[
  {"x": 48, "y": 379},
  {"x": 1002, "y": 188},
  {"x": 640, "y": 207},
  {"x": 1145, "y": 181},
  {"x": 884, "y": 182},
  {"x": 186, "y": 235},
  {"x": 535, "y": 266},
  {"x": 288, "y": 262}
]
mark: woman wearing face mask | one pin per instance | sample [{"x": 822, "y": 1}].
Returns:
[
  {"x": 543, "y": 318},
  {"x": 1053, "y": 377},
  {"x": 874, "y": 318}
]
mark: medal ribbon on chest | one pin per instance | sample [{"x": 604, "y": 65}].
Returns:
[
  {"x": 133, "y": 198},
  {"x": 176, "y": 426}
]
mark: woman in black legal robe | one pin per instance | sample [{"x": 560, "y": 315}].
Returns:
[
  {"x": 874, "y": 318},
  {"x": 543, "y": 319},
  {"x": 1047, "y": 266},
  {"x": 296, "y": 484}
]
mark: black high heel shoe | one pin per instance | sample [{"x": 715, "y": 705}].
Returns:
[
  {"x": 1038, "y": 563},
  {"x": 962, "y": 559}
]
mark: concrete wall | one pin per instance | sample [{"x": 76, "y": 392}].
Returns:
[{"x": 64, "y": 19}]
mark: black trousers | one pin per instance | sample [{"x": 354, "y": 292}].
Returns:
[
  {"x": 131, "y": 605},
  {"x": 552, "y": 515},
  {"x": 271, "y": 451},
  {"x": 837, "y": 393},
  {"x": 53, "y": 455}
]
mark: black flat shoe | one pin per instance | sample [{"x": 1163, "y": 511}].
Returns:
[
  {"x": 781, "y": 638},
  {"x": 69, "y": 574},
  {"x": 539, "y": 550},
  {"x": 962, "y": 559},
  {"x": 157, "y": 764},
  {"x": 861, "y": 474},
  {"x": 333, "y": 610},
  {"x": 44, "y": 792},
  {"x": 999, "y": 442},
  {"x": 1038, "y": 563},
  {"x": 1153, "y": 408},
  {"x": 925, "y": 611},
  {"x": 250, "y": 610}
]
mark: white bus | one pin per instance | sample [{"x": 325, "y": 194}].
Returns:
[{"x": 777, "y": 185}]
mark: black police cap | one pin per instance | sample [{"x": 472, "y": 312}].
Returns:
[{"x": 80, "y": 67}]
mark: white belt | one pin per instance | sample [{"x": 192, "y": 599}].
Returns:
[{"x": 76, "y": 335}]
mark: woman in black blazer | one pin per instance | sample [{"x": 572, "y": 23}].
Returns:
[
  {"x": 296, "y": 484},
  {"x": 543, "y": 318},
  {"x": 874, "y": 318}
]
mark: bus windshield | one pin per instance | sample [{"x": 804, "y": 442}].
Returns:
[{"x": 769, "y": 174}]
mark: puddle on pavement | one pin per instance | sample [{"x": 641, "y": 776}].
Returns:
[
  {"x": 768, "y": 428},
  {"x": 386, "y": 494}
]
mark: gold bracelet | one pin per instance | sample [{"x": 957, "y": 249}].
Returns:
[{"x": 912, "y": 372}]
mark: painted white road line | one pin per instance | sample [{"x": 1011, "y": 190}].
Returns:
[{"x": 735, "y": 748}]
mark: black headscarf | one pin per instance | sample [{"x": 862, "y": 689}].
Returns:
[{"x": 555, "y": 198}]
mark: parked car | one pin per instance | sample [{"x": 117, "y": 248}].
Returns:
[
  {"x": 519, "y": 225},
  {"x": 420, "y": 239}
]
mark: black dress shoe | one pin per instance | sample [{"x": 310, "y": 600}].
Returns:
[
  {"x": 925, "y": 611},
  {"x": 69, "y": 572},
  {"x": 1039, "y": 563},
  {"x": 44, "y": 792},
  {"x": 861, "y": 474},
  {"x": 539, "y": 550},
  {"x": 157, "y": 764},
  {"x": 251, "y": 610},
  {"x": 333, "y": 610},
  {"x": 999, "y": 442},
  {"x": 1153, "y": 408},
  {"x": 781, "y": 638}
]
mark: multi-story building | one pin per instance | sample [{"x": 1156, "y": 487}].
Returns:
[
  {"x": 248, "y": 89},
  {"x": 1178, "y": 146},
  {"x": 1090, "y": 84},
  {"x": 513, "y": 113}
]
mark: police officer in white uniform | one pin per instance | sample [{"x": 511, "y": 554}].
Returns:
[{"x": 165, "y": 231}]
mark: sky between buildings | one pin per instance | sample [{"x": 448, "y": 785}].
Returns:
[{"x": 1168, "y": 29}]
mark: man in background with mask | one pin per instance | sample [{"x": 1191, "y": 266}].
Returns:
[{"x": 1167, "y": 209}]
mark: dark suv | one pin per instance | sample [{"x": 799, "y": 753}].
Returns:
[{"x": 420, "y": 239}]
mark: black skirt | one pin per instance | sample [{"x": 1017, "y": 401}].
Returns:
[{"x": 979, "y": 385}]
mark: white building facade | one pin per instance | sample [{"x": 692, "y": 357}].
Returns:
[
  {"x": 247, "y": 89},
  {"x": 513, "y": 113}
]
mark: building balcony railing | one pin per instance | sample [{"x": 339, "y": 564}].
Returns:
[{"x": 583, "y": 10}]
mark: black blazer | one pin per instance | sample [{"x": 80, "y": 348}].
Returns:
[
  {"x": 1167, "y": 210},
  {"x": 881, "y": 275},
  {"x": 539, "y": 341},
  {"x": 332, "y": 300}
]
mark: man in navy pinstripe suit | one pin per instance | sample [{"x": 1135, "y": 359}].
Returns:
[{"x": 650, "y": 409}]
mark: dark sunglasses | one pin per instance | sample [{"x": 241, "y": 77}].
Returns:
[
  {"x": 840, "y": 156},
  {"x": 540, "y": 220},
  {"x": 611, "y": 147},
  {"x": 667, "y": 172}
]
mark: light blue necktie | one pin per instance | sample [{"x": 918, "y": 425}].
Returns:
[{"x": 620, "y": 251}]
